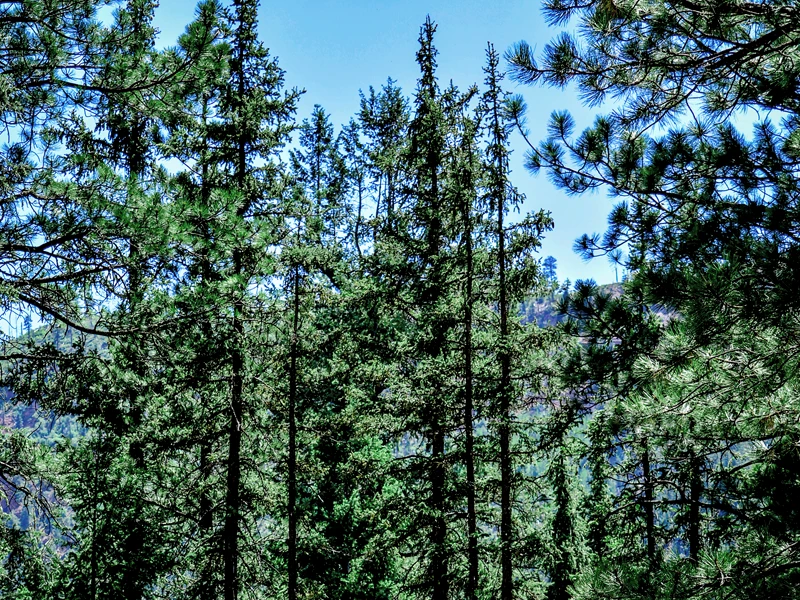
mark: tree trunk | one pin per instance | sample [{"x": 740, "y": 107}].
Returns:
[
  {"x": 292, "y": 483},
  {"x": 232, "y": 498},
  {"x": 649, "y": 509},
  {"x": 695, "y": 489},
  {"x": 206, "y": 518},
  {"x": 439, "y": 571},
  {"x": 506, "y": 566},
  {"x": 469, "y": 450},
  {"x": 231, "y": 545},
  {"x": 356, "y": 231}
]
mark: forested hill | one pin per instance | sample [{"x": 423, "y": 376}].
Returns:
[
  {"x": 63, "y": 338},
  {"x": 545, "y": 310},
  {"x": 318, "y": 383},
  {"x": 59, "y": 339}
]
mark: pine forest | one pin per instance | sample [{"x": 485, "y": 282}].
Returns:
[{"x": 249, "y": 353}]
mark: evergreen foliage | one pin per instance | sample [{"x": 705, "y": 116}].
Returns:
[
  {"x": 310, "y": 362},
  {"x": 688, "y": 409}
]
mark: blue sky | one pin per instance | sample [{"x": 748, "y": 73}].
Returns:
[{"x": 334, "y": 48}]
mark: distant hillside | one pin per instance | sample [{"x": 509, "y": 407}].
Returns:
[
  {"x": 64, "y": 338},
  {"x": 544, "y": 311},
  {"x": 42, "y": 424}
]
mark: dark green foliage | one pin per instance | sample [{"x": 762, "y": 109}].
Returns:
[
  {"x": 565, "y": 545},
  {"x": 692, "y": 409},
  {"x": 336, "y": 367},
  {"x": 121, "y": 545}
]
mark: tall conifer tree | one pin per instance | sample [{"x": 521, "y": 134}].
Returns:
[{"x": 705, "y": 207}]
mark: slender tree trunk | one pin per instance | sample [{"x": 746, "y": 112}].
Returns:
[
  {"x": 206, "y": 517},
  {"x": 131, "y": 586},
  {"x": 356, "y": 232},
  {"x": 93, "y": 566},
  {"x": 649, "y": 509},
  {"x": 292, "y": 541},
  {"x": 233, "y": 483},
  {"x": 231, "y": 546},
  {"x": 440, "y": 568},
  {"x": 506, "y": 566},
  {"x": 469, "y": 431},
  {"x": 472, "y": 525},
  {"x": 695, "y": 489},
  {"x": 441, "y": 583}
]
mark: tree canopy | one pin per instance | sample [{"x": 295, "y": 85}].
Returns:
[{"x": 261, "y": 355}]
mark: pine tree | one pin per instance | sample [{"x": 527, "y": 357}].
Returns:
[
  {"x": 498, "y": 157},
  {"x": 328, "y": 550},
  {"x": 426, "y": 148},
  {"x": 191, "y": 124},
  {"x": 383, "y": 119},
  {"x": 255, "y": 114},
  {"x": 705, "y": 209},
  {"x": 517, "y": 273},
  {"x": 93, "y": 194},
  {"x": 465, "y": 167},
  {"x": 226, "y": 122},
  {"x": 564, "y": 525}
]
